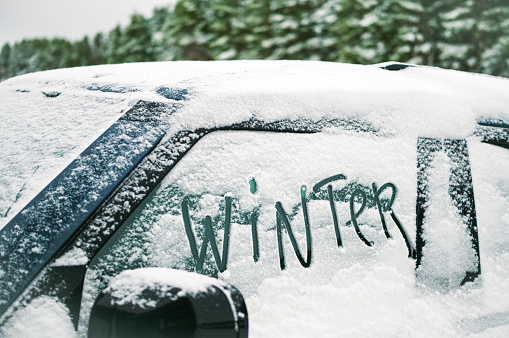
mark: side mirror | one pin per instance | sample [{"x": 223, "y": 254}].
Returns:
[{"x": 159, "y": 302}]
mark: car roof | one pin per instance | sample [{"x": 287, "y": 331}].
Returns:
[{"x": 395, "y": 98}]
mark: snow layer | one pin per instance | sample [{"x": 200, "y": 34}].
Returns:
[
  {"x": 43, "y": 317},
  {"x": 127, "y": 288},
  {"x": 48, "y": 118}
]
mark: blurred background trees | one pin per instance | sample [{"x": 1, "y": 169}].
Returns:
[{"x": 469, "y": 35}]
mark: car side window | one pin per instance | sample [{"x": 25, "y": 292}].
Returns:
[{"x": 243, "y": 206}]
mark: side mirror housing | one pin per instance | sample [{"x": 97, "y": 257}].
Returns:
[{"x": 159, "y": 302}]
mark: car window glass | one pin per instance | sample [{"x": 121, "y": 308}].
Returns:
[
  {"x": 491, "y": 185},
  {"x": 232, "y": 179}
]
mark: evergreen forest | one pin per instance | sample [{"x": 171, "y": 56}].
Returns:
[{"x": 469, "y": 35}]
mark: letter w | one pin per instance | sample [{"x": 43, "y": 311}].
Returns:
[{"x": 221, "y": 262}]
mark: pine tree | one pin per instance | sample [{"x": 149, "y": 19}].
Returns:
[
  {"x": 476, "y": 37},
  {"x": 82, "y": 53},
  {"x": 256, "y": 17},
  {"x": 190, "y": 32},
  {"x": 22, "y": 58},
  {"x": 494, "y": 38},
  {"x": 115, "y": 40},
  {"x": 5, "y": 55},
  {"x": 354, "y": 29},
  {"x": 471, "y": 35},
  {"x": 460, "y": 34},
  {"x": 293, "y": 33},
  {"x": 227, "y": 29},
  {"x": 324, "y": 19},
  {"x": 98, "y": 56},
  {"x": 136, "y": 44},
  {"x": 398, "y": 31},
  {"x": 433, "y": 28},
  {"x": 159, "y": 22},
  {"x": 58, "y": 53}
]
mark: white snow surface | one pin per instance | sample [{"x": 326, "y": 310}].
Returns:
[
  {"x": 354, "y": 291},
  {"x": 44, "y": 317}
]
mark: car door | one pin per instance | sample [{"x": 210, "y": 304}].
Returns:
[{"x": 256, "y": 201}]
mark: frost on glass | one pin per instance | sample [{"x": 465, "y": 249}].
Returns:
[
  {"x": 216, "y": 178},
  {"x": 448, "y": 252},
  {"x": 448, "y": 246}
]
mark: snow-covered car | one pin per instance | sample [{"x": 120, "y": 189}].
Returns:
[{"x": 321, "y": 199}]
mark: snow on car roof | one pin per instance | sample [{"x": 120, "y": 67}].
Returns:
[{"x": 396, "y": 101}]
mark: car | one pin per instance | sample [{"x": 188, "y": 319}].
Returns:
[{"x": 313, "y": 198}]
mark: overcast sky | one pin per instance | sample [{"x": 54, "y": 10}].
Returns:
[{"x": 71, "y": 19}]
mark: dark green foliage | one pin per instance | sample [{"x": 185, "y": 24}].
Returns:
[
  {"x": 136, "y": 41},
  {"x": 228, "y": 29},
  {"x": 40, "y": 54},
  {"x": 354, "y": 33},
  {"x": 257, "y": 29},
  {"x": 494, "y": 38},
  {"x": 459, "y": 40},
  {"x": 5, "y": 54},
  {"x": 470, "y": 35},
  {"x": 115, "y": 40},
  {"x": 293, "y": 30},
  {"x": 158, "y": 24},
  {"x": 190, "y": 30},
  {"x": 98, "y": 45},
  {"x": 81, "y": 53}
]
